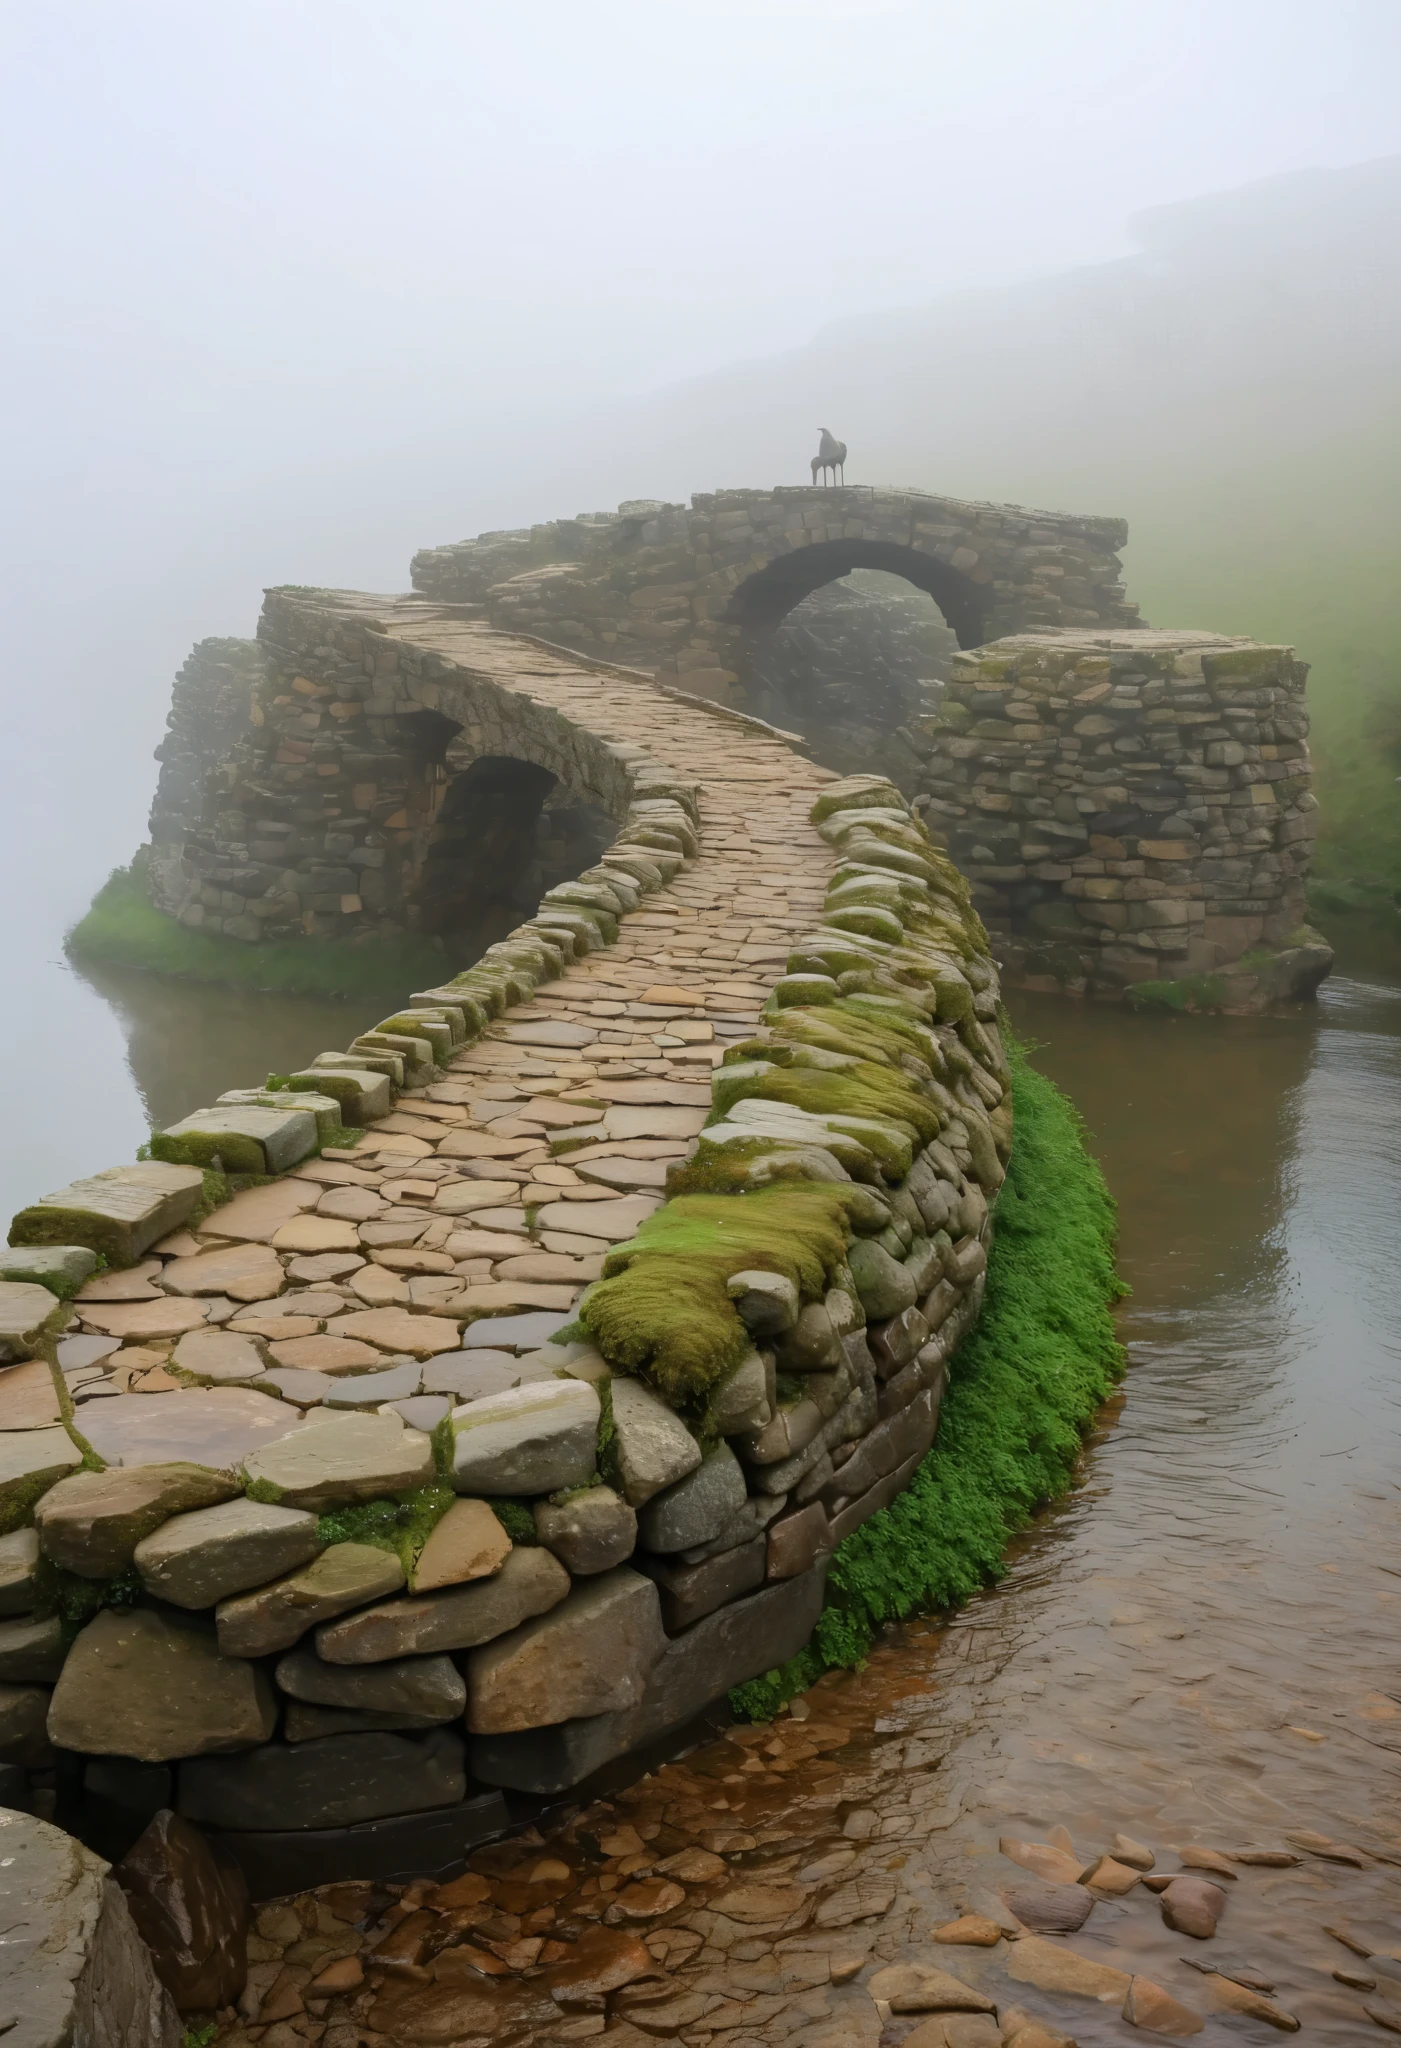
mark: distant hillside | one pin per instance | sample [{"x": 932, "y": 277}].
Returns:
[{"x": 1232, "y": 388}]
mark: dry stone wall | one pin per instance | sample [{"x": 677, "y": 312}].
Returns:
[
  {"x": 509, "y": 1412},
  {"x": 691, "y": 591},
  {"x": 1132, "y": 807}
]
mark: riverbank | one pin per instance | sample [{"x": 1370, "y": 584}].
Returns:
[{"x": 123, "y": 929}]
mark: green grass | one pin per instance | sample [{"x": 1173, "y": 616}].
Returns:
[
  {"x": 124, "y": 929},
  {"x": 1023, "y": 1390}
]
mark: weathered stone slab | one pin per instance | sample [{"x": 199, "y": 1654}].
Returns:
[
  {"x": 92, "y": 1522},
  {"x": 31, "y": 1651},
  {"x": 590, "y": 1655},
  {"x": 200, "y": 1558},
  {"x": 329, "y": 1784},
  {"x": 395, "y": 1329},
  {"x": 697, "y": 1507},
  {"x": 467, "y": 1543},
  {"x": 31, "y": 1461},
  {"x": 529, "y": 1583},
  {"x": 59, "y": 1267},
  {"x": 689, "y": 1591},
  {"x": 653, "y": 1446},
  {"x": 28, "y": 1312},
  {"x": 19, "y": 1559},
  {"x": 363, "y": 1095},
  {"x": 255, "y": 1216},
  {"x": 240, "y": 1138},
  {"x": 533, "y": 1439},
  {"x": 117, "y": 1213},
  {"x": 737, "y": 1643},
  {"x": 74, "y": 1972},
  {"x": 342, "y": 1459},
  {"x": 28, "y": 1396},
  {"x": 322, "y": 1352},
  {"x": 366, "y": 1390},
  {"x": 589, "y": 1532},
  {"x": 512, "y": 1333},
  {"x": 429, "y": 1687},
  {"x": 273, "y": 1617},
  {"x": 215, "y": 1426},
  {"x": 468, "y": 1376},
  {"x": 154, "y": 1686},
  {"x": 245, "y": 1272},
  {"x": 611, "y": 1221},
  {"x": 301, "y": 1389},
  {"x": 218, "y": 1355},
  {"x": 314, "y": 1234}
]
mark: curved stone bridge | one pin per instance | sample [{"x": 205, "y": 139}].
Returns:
[
  {"x": 688, "y": 590},
  {"x": 510, "y": 1409}
]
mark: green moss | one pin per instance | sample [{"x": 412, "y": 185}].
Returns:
[
  {"x": 663, "y": 1310},
  {"x": 401, "y": 1525},
  {"x": 444, "y": 1442},
  {"x": 200, "y": 2037},
  {"x": 1192, "y": 992},
  {"x": 516, "y": 1519},
  {"x": 606, "y": 1456},
  {"x": 124, "y": 929},
  {"x": 1023, "y": 1389},
  {"x": 76, "y": 1600},
  {"x": 867, "y": 1090}
]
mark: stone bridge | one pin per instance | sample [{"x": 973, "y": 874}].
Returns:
[
  {"x": 479, "y": 1403},
  {"x": 688, "y": 591}
]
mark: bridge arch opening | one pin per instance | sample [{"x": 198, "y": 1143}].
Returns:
[
  {"x": 763, "y": 600},
  {"x": 503, "y": 831}
]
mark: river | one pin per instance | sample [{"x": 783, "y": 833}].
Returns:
[{"x": 1200, "y": 1644}]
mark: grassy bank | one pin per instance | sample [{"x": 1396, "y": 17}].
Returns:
[
  {"x": 1023, "y": 1389},
  {"x": 122, "y": 929}
]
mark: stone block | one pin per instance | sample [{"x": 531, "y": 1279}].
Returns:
[
  {"x": 745, "y": 1401},
  {"x": 589, "y": 1532},
  {"x": 530, "y": 1582},
  {"x": 534, "y": 1439},
  {"x": 28, "y": 1312},
  {"x": 273, "y": 1617},
  {"x": 241, "y": 1138},
  {"x": 895, "y": 1342},
  {"x": 92, "y": 1522},
  {"x": 74, "y": 1972},
  {"x": 429, "y": 1688},
  {"x": 467, "y": 1543},
  {"x": 689, "y": 1591},
  {"x": 652, "y": 1445},
  {"x": 210, "y": 1554},
  {"x": 155, "y": 1685},
  {"x": 796, "y": 1540},
  {"x": 884, "y": 1285},
  {"x": 118, "y": 1213},
  {"x": 697, "y": 1507},
  {"x": 589, "y": 1655},
  {"x": 31, "y": 1461},
  {"x": 190, "y": 1905},
  {"x": 341, "y": 1460},
  {"x": 736, "y": 1643},
  {"x": 905, "y": 1435},
  {"x": 334, "y": 1783},
  {"x": 812, "y": 1345},
  {"x": 31, "y": 1651},
  {"x": 363, "y": 1095},
  {"x": 767, "y": 1302},
  {"x": 59, "y": 1267},
  {"x": 19, "y": 1559},
  {"x": 756, "y": 1514}
]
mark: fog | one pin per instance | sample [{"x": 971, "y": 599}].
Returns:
[{"x": 295, "y": 289}]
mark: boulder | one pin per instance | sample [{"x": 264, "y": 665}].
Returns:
[
  {"x": 467, "y": 1543},
  {"x": 241, "y": 1138},
  {"x": 27, "y": 1313},
  {"x": 31, "y": 1651},
  {"x": 882, "y": 1282},
  {"x": 59, "y": 1267},
  {"x": 767, "y": 1302},
  {"x": 92, "y": 1522},
  {"x": 342, "y": 1460},
  {"x": 537, "y": 1438},
  {"x": 1193, "y": 1905},
  {"x": 589, "y": 1655},
  {"x": 201, "y": 1558},
  {"x": 117, "y": 1213},
  {"x": 426, "y": 1687},
  {"x": 697, "y": 1507},
  {"x": 273, "y": 1617},
  {"x": 333, "y": 1783},
  {"x": 24, "y": 1715},
  {"x": 746, "y": 1399},
  {"x": 190, "y": 1905},
  {"x": 154, "y": 1685},
  {"x": 588, "y": 1532},
  {"x": 530, "y": 1582},
  {"x": 74, "y": 1972},
  {"x": 31, "y": 1461},
  {"x": 653, "y": 1447},
  {"x": 19, "y": 1560}
]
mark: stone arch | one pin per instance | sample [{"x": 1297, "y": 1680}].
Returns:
[
  {"x": 762, "y": 601},
  {"x": 481, "y": 846}
]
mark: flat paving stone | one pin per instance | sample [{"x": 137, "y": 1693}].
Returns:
[
  {"x": 343, "y": 1459},
  {"x": 28, "y": 1397},
  {"x": 139, "y": 1321},
  {"x": 391, "y": 1329},
  {"x": 215, "y": 1426},
  {"x": 322, "y": 1352},
  {"x": 218, "y": 1355},
  {"x": 245, "y": 1272}
]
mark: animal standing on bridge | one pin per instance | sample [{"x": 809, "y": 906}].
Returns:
[{"x": 831, "y": 454}]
